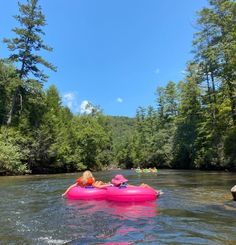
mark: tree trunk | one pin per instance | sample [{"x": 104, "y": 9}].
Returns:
[
  {"x": 16, "y": 93},
  {"x": 232, "y": 96},
  {"x": 13, "y": 105}
]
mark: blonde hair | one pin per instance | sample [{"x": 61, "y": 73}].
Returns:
[{"x": 86, "y": 175}]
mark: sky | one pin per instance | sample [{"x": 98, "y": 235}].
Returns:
[{"x": 112, "y": 53}]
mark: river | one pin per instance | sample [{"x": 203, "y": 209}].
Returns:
[{"x": 196, "y": 208}]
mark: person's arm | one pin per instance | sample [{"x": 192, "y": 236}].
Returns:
[
  {"x": 131, "y": 185},
  {"x": 69, "y": 189},
  {"x": 160, "y": 192},
  {"x": 100, "y": 184}
]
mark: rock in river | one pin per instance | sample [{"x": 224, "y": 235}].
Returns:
[{"x": 233, "y": 191}]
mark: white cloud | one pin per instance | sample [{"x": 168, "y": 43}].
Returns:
[
  {"x": 86, "y": 107},
  {"x": 70, "y": 100},
  {"x": 157, "y": 71},
  {"x": 119, "y": 100}
]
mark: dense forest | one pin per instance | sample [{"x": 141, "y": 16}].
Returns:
[{"x": 191, "y": 126}]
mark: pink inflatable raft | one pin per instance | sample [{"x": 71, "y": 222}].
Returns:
[
  {"x": 86, "y": 193},
  {"x": 124, "y": 194}
]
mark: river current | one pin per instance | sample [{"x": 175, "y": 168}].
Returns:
[{"x": 196, "y": 208}]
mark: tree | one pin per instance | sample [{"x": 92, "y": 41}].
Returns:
[
  {"x": 188, "y": 120},
  {"x": 92, "y": 141},
  {"x": 12, "y": 158},
  {"x": 8, "y": 83},
  {"x": 170, "y": 100},
  {"x": 216, "y": 49},
  {"x": 44, "y": 150},
  {"x": 24, "y": 49},
  {"x": 160, "y": 93}
]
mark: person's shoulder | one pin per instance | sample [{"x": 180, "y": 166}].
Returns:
[{"x": 79, "y": 180}]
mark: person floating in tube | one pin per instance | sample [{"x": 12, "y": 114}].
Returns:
[
  {"x": 86, "y": 180},
  {"x": 120, "y": 181}
]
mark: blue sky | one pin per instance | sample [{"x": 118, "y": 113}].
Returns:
[{"x": 113, "y": 53}]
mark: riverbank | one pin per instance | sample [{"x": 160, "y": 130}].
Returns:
[{"x": 43, "y": 170}]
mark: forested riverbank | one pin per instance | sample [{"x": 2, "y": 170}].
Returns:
[{"x": 191, "y": 126}]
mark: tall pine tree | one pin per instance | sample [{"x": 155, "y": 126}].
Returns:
[{"x": 25, "y": 49}]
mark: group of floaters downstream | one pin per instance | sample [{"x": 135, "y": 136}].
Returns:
[
  {"x": 146, "y": 170},
  {"x": 87, "y": 188}
]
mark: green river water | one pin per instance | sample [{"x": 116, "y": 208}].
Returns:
[{"x": 196, "y": 208}]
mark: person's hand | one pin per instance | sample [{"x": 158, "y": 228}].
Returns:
[{"x": 160, "y": 192}]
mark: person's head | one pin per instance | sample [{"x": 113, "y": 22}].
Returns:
[
  {"x": 87, "y": 174},
  {"x": 118, "y": 180},
  {"x": 87, "y": 177}
]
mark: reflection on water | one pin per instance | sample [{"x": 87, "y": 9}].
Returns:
[
  {"x": 120, "y": 210},
  {"x": 195, "y": 209}
]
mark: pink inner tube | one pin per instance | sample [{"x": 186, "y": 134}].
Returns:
[
  {"x": 131, "y": 194},
  {"x": 81, "y": 193},
  {"x": 124, "y": 194}
]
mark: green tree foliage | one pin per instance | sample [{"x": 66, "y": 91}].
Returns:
[
  {"x": 187, "y": 121},
  {"x": 215, "y": 54},
  {"x": 229, "y": 147},
  {"x": 151, "y": 143},
  {"x": 216, "y": 48},
  {"x": 192, "y": 125},
  {"x": 92, "y": 140},
  {"x": 9, "y": 82},
  {"x": 12, "y": 159},
  {"x": 121, "y": 130}
]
